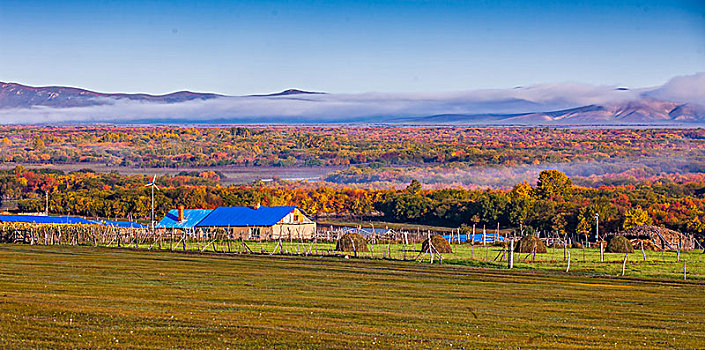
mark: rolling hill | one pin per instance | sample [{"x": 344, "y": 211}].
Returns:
[{"x": 13, "y": 95}]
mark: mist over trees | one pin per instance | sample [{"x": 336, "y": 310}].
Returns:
[{"x": 551, "y": 204}]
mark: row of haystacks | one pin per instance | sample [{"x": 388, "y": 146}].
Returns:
[
  {"x": 657, "y": 238},
  {"x": 644, "y": 236}
]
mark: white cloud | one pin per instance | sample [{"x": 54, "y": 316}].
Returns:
[
  {"x": 349, "y": 107},
  {"x": 687, "y": 88}
]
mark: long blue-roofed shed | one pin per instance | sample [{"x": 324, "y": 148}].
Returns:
[{"x": 40, "y": 219}]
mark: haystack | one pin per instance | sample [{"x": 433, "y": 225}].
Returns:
[
  {"x": 346, "y": 242},
  {"x": 619, "y": 244},
  {"x": 528, "y": 243},
  {"x": 645, "y": 243},
  {"x": 662, "y": 238},
  {"x": 440, "y": 245}
]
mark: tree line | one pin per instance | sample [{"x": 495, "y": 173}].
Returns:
[{"x": 551, "y": 204}]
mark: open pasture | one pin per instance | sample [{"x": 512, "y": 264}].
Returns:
[
  {"x": 63, "y": 296},
  {"x": 667, "y": 265}
]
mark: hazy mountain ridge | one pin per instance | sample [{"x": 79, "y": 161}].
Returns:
[
  {"x": 13, "y": 95},
  {"x": 680, "y": 101},
  {"x": 647, "y": 111}
]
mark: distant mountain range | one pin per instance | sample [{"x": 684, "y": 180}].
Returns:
[
  {"x": 679, "y": 102},
  {"x": 14, "y": 95},
  {"x": 646, "y": 111}
]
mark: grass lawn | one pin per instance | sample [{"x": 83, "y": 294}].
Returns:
[
  {"x": 656, "y": 265},
  {"x": 61, "y": 296}
]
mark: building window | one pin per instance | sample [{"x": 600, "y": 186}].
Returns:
[
  {"x": 297, "y": 218},
  {"x": 254, "y": 232}
]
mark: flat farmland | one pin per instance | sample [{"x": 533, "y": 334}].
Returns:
[{"x": 58, "y": 297}]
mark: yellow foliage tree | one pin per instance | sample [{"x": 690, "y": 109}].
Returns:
[{"x": 636, "y": 216}]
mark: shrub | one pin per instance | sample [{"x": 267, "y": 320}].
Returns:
[
  {"x": 440, "y": 245},
  {"x": 527, "y": 244},
  {"x": 619, "y": 244},
  {"x": 345, "y": 243},
  {"x": 576, "y": 245}
]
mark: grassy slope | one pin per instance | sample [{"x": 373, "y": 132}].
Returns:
[{"x": 99, "y": 297}]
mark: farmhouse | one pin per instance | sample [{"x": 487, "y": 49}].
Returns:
[{"x": 256, "y": 222}]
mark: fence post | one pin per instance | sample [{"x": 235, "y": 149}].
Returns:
[
  {"x": 685, "y": 270},
  {"x": 624, "y": 264},
  {"x": 511, "y": 253}
]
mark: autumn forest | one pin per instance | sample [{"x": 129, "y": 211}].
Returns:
[{"x": 408, "y": 175}]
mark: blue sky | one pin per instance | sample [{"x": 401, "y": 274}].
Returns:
[{"x": 347, "y": 47}]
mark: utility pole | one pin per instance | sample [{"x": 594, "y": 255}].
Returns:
[
  {"x": 153, "y": 186},
  {"x": 597, "y": 226},
  {"x": 597, "y": 234}
]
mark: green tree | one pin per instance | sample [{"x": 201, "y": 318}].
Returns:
[
  {"x": 553, "y": 184},
  {"x": 414, "y": 186},
  {"x": 584, "y": 226},
  {"x": 520, "y": 203},
  {"x": 558, "y": 224}
]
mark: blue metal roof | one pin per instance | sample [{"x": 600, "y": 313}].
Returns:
[
  {"x": 366, "y": 231},
  {"x": 489, "y": 237},
  {"x": 45, "y": 219},
  {"x": 245, "y": 216},
  {"x": 119, "y": 223},
  {"x": 191, "y": 216}
]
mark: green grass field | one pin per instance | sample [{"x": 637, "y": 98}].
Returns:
[
  {"x": 657, "y": 265},
  {"x": 78, "y": 297}
]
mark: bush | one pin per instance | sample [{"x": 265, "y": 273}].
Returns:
[
  {"x": 440, "y": 245},
  {"x": 527, "y": 244},
  {"x": 576, "y": 245},
  {"x": 345, "y": 243},
  {"x": 619, "y": 244}
]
